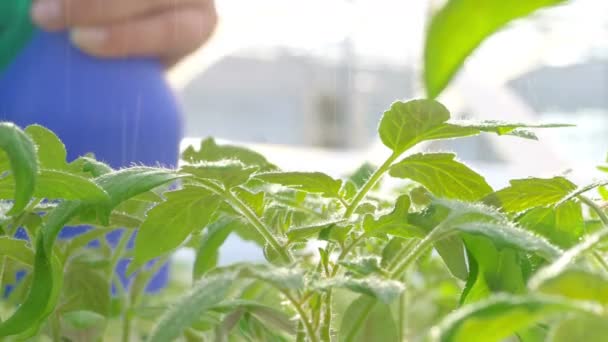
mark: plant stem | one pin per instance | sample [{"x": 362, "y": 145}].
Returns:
[
  {"x": 55, "y": 326},
  {"x": 596, "y": 208},
  {"x": 126, "y": 327},
  {"x": 303, "y": 318},
  {"x": 258, "y": 225},
  {"x": 369, "y": 184},
  {"x": 246, "y": 211},
  {"x": 326, "y": 325},
  {"x": 402, "y": 253},
  {"x": 600, "y": 260},
  {"x": 300, "y": 332},
  {"x": 413, "y": 255}
]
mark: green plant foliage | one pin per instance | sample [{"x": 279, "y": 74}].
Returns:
[
  {"x": 312, "y": 182},
  {"x": 503, "y": 316},
  {"x": 460, "y": 27},
  {"x": 210, "y": 151},
  {"x": 442, "y": 176},
  {"x": 169, "y": 224},
  {"x": 21, "y": 153},
  {"x": 378, "y": 325},
  {"x": 530, "y": 193},
  {"x": 346, "y": 260}
]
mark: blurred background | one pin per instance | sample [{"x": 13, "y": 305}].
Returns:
[
  {"x": 305, "y": 82},
  {"x": 314, "y": 77}
]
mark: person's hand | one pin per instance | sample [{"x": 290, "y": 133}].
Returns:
[{"x": 167, "y": 29}]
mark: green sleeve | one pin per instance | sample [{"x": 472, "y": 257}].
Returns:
[{"x": 15, "y": 28}]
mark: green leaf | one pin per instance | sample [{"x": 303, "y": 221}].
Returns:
[
  {"x": 492, "y": 269},
  {"x": 41, "y": 298},
  {"x": 567, "y": 258},
  {"x": 210, "y": 151},
  {"x": 51, "y": 151},
  {"x": 21, "y": 154},
  {"x": 378, "y": 325},
  {"x": 580, "y": 328},
  {"x": 394, "y": 223},
  {"x": 54, "y": 184},
  {"x": 207, "y": 254},
  {"x": 529, "y": 193},
  {"x": 127, "y": 183},
  {"x": 577, "y": 284},
  {"x": 229, "y": 173},
  {"x": 17, "y": 250},
  {"x": 280, "y": 277},
  {"x": 256, "y": 201},
  {"x": 452, "y": 251},
  {"x": 385, "y": 290},
  {"x": 442, "y": 176},
  {"x": 363, "y": 266},
  {"x": 312, "y": 182},
  {"x": 581, "y": 190},
  {"x": 208, "y": 292},
  {"x": 507, "y": 235},
  {"x": 407, "y": 123},
  {"x": 459, "y": 28},
  {"x": 305, "y": 232},
  {"x": 502, "y": 316},
  {"x": 87, "y": 288},
  {"x": 169, "y": 224},
  {"x": 563, "y": 225},
  {"x": 83, "y": 319},
  {"x": 89, "y": 166}
]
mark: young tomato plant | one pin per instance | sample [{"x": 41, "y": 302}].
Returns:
[{"x": 345, "y": 262}]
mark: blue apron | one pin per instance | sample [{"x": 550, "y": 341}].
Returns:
[{"x": 121, "y": 110}]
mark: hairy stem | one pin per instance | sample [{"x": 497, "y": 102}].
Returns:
[
  {"x": 326, "y": 325},
  {"x": 248, "y": 214},
  {"x": 596, "y": 208},
  {"x": 373, "y": 179},
  {"x": 402, "y": 266},
  {"x": 303, "y": 318},
  {"x": 258, "y": 225}
]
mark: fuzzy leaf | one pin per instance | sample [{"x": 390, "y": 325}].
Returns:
[
  {"x": 394, "y": 223},
  {"x": 302, "y": 233},
  {"x": 21, "y": 153},
  {"x": 529, "y": 193},
  {"x": 127, "y": 183},
  {"x": 563, "y": 225},
  {"x": 313, "y": 182},
  {"x": 507, "y": 235},
  {"x": 502, "y": 316},
  {"x": 229, "y": 173},
  {"x": 577, "y": 284},
  {"x": 442, "y": 176},
  {"x": 208, "y": 292},
  {"x": 168, "y": 224},
  {"x": 17, "y": 250},
  {"x": 377, "y": 325},
  {"x": 62, "y": 185},
  {"x": 208, "y": 250},
  {"x": 363, "y": 266},
  {"x": 50, "y": 150},
  {"x": 385, "y": 290},
  {"x": 407, "y": 123},
  {"x": 210, "y": 151}
]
